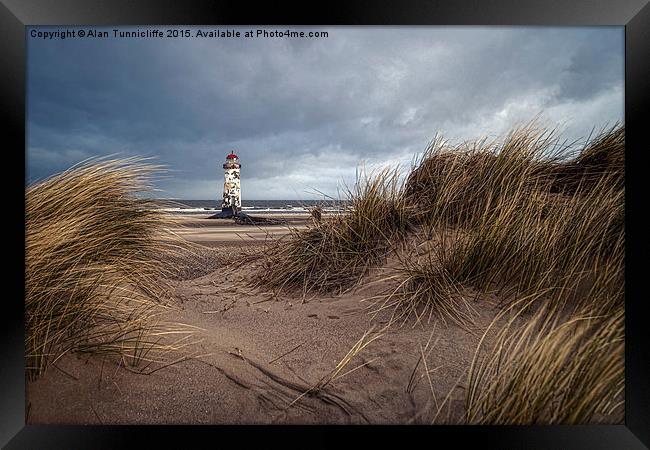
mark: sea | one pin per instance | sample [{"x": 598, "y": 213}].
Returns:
[{"x": 253, "y": 206}]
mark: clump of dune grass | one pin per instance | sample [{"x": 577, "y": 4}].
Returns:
[
  {"x": 458, "y": 185},
  {"x": 553, "y": 369},
  {"x": 539, "y": 243},
  {"x": 97, "y": 258},
  {"x": 427, "y": 287},
  {"x": 603, "y": 156},
  {"x": 529, "y": 215},
  {"x": 545, "y": 233},
  {"x": 333, "y": 254},
  {"x": 516, "y": 235}
]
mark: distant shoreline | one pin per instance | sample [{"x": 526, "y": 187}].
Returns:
[{"x": 265, "y": 207}]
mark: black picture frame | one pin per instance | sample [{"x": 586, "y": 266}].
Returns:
[{"x": 16, "y": 15}]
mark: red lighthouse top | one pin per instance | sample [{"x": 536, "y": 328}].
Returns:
[{"x": 232, "y": 156}]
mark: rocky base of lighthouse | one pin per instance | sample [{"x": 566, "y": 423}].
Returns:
[
  {"x": 225, "y": 213},
  {"x": 245, "y": 219}
]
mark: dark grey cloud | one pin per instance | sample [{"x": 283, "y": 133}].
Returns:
[{"x": 304, "y": 113}]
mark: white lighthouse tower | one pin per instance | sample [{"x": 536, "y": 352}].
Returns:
[{"x": 231, "y": 204}]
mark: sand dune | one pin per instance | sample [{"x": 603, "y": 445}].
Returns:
[{"x": 259, "y": 354}]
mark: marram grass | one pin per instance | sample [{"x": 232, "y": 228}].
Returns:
[
  {"x": 335, "y": 253},
  {"x": 97, "y": 257},
  {"x": 554, "y": 369},
  {"x": 527, "y": 219}
]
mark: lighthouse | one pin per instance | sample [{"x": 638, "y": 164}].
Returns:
[{"x": 231, "y": 204}]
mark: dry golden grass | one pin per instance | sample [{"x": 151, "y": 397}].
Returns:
[
  {"x": 551, "y": 370},
  {"x": 546, "y": 237},
  {"x": 427, "y": 287},
  {"x": 514, "y": 232},
  {"x": 490, "y": 218},
  {"x": 527, "y": 218},
  {"x": 97, "y": 257},
  {"x": 334, "y": 254}
]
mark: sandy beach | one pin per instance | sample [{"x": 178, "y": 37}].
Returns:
[
  {"x": 257, "y": 356},
  {"x": 223, "y": 233}
]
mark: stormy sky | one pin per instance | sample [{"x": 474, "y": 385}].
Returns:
[{"x": 304, "y": 113}]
